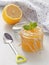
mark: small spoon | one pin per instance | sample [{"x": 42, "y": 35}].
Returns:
[{"x": 8, "y": 40}]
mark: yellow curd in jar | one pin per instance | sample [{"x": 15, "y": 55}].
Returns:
[{"x": 32, "y": 40}]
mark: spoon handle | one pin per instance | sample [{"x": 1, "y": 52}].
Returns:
[
  {"x": 13, "y": 49},
  {"x": 18, "y": 57}
]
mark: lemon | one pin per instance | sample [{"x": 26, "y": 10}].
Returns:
[{"x": 12, "y": 14}]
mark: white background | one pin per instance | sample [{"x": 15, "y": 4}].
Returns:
[{"x": 7, "y": 57}]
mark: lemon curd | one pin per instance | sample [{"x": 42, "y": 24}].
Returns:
[{"x": 32, "y": 40}]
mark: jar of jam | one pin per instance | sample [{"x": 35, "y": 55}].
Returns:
[{"x": 32, "y": 40}]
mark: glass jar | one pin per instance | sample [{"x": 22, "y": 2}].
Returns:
[{"x": 32, "y": 40}]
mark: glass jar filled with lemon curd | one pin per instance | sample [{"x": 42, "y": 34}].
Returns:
[{"x": 32, "y": 37}]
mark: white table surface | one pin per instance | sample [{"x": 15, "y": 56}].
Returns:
[{"x": 7, "y": 57}]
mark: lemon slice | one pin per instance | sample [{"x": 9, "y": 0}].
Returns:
[{"x": 12, "y": 14}]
